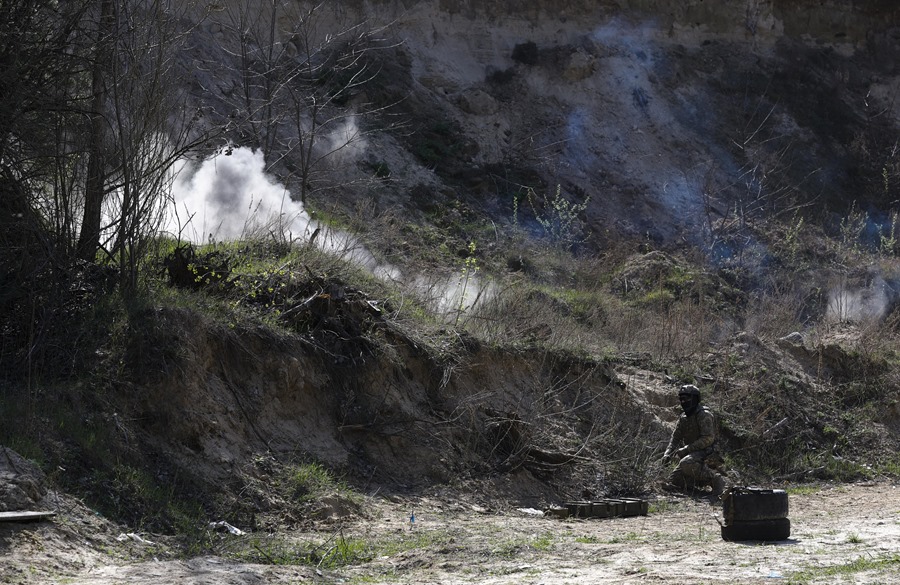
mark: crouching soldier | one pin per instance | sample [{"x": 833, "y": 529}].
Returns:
[{"x": 694, "y": 446}]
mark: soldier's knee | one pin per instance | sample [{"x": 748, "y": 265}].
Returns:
[{"x": 690, "y": 468}]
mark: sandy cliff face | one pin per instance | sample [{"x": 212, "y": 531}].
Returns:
[
  {"x": 824, "y": 20},
  {"x": 664, "y": 116},
  {"x": 664, "y": 113}
]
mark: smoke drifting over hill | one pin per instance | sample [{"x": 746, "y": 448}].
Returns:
[{"x": 230, "y": 197}]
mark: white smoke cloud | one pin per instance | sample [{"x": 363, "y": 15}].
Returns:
[
  {"x": 857, "y": 304},
  {"x": 636, "y": 38},
  {"x": 345, "y": 143},
  {"x": 455, "y": 295},
  {"x": 229, "y": 197}
]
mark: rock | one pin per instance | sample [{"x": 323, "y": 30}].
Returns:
[
  {"x": 794, "y": 339},
  {"x": 335, "y": 507},
  {"x": 580, "y": 66},
  {"x": 478, "y": 102},
  {"x": 22, "y": 483}
]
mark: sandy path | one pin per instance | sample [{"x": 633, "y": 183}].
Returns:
[{"x": 840, "y": 534}]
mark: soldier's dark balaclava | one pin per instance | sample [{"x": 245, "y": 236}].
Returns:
[{"x": 689, "y": 397}]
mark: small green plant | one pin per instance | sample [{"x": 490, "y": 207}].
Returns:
[
  {"x": 802, "y": 490},
  {"x": 137, "y": 497},
  {"x": 859, "y": 565},
  {"x": 346, "y": 551},
  {"x": 469, "y": 270},
  {"x": 543, "y": 542},
  {"x": 627, "y": 537},
  {"x": 888, "y": 236},
  {"x": 587, "y": 540},
  {"x": 559, "y": 218},
  {"x": 891, "y": 467},
  {"x": 311, "y": 481},
  {"x": 661, "y": 507},
  {"x": 792, "y": 241},
  {"x": 852, "y": 227},
  {"x": 381, "y": 170},
  {"x": 886, "y": 176},
  {"x": 513, "y": 546},
  {"x": 659, "y": 297}
]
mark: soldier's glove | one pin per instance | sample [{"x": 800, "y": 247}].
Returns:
[{"x": 681, "y": 452}]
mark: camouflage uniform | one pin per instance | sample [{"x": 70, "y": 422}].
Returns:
[{"x": 694, "y": 444}]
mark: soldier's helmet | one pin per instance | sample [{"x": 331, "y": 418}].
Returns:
[{"x": 689, "y": 390}]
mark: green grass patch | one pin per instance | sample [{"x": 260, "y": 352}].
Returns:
[
  {"x": 890, "y": 468},
  {"x": 661, "y": 506},
  {"x": 887, "y": 565},
  {"x": 308, "y": 482},
  {"x": 332, "y": 553},
  {"x": 338, "y": 550},
  {"x": 137, "y": 497},
  {"x": 802, "y": 490},
  {"x": 512, "y": 547},
  {"x": 627, "y": 537}
]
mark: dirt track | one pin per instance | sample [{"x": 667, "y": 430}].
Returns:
[{"x": 840, "y": 534}]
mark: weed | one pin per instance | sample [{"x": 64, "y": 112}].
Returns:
[
  {"x": 891, "y": 467},
  {"x": 661, "y": 506},
  {"x": 563, "y": 224},
  {"x": 659, "y": 298},
  {"x": 511, "y": 547},
  {"x": 852, "y": 228},
  {"x": 346, "y": 552},
  {"x": 792, "y": 239},
  {"x": 543, "y": 542},
  {"x": 381, "y": 169},
  {"x": 802, "y": 490},
  {"x": 627, "y": 537},
  {"x": 142, "y": 500},
  {"x": 310, "y": 481},
  {"x": 888, "y": 235},
  {"x": 469, "y": 270},
  {"x": 338, "y": 550},
  {"x": 559, "y": 218},
  {"x": 858, "y": 565}
]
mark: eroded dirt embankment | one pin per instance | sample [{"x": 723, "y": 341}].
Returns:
[{"x": 393, "y": 414}]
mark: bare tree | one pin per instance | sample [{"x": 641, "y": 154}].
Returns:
[
  {"x": 150, "y": 125},
  {"x": 103, "y": 54},
  {"x": 39, "y": 97},
  {"x": 302, "y": 73},
  {"x": 92, "y": 120}
]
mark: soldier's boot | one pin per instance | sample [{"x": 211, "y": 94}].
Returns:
[
  {"x": 714, "y": 479},
  {"x": 719, "y": 485},
  {"x": 675, "y": 482}
]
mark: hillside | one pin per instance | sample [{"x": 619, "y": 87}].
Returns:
[
  {"x": 465, "y": 252},
  {"x": 640, "y": 185}
]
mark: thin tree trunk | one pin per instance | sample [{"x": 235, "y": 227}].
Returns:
[{"x": 89, "y": 238}]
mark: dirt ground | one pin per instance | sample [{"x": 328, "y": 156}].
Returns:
[{"x": 840, "y": 534}]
